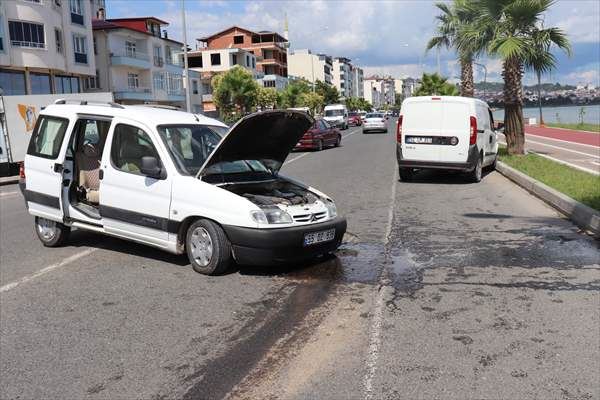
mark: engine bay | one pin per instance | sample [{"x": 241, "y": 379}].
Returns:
[{"x": 273, "y": 193}]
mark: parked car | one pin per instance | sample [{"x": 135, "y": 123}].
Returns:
[
  {"x": 354, "y": 119},
  {"x": 375, "y": 122},
  {"x": 164, "y": 178},
  {"x": 319, "y": 136},
  {"x": 362, "y": 116},
  {"x": 336, "y": 115},
  {"x": 445, "y": 132}
]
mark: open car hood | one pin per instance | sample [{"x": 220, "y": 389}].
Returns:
[{"x": 267, "y": 136}]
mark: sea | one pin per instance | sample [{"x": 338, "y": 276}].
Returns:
[{"x": 562, "y": 114}]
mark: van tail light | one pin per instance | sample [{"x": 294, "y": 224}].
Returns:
[
  {"x": 399, "y": 130},
  {"x": 22, "y": 170},
  {"x": 473, "y": 135}
]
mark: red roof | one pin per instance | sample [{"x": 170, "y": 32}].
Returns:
[
  {"x": 160, "y": 21},
  {"x": 204, "y": 39},
  {"x": 126, "y": 23}
]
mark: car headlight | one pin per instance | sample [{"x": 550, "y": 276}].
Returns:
[
  {"x": 331, "y": 208},
  {"x": 273, "y": 215}
]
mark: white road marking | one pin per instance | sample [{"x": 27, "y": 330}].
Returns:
[
  {"x": 595, "y": 162},
  {"x": 563, "y": 141},
  {"x": 6, "y": 194},
  {"x": 584, "y": 169},
  {"x": 377, "y": 322},
  {"x": 49, "y": 268},
  {"x": 305, "y": 154},
  {"x": 564, "y": 148}
]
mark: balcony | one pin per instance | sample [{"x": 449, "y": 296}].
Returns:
[
  {"x": 158, "y": 61},
  {"x": 130, "y": 58},
  {"x": 134, "y": 93}
]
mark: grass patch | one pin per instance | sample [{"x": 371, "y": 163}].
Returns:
[
  {"x": 579, "y": 185},
  {"x": 578, "y": 127}
]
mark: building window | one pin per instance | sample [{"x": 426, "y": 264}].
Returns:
[
  {"x": 66, "y": 84},
  {"x": 133, "y": 80},
  {"x": 233, "y": 59},
  {"x": 248, "y": 61},
  {"x": 158, "y": 79},
  {"x": 195, "y": 61},
  {"x": 175, "y": 83},
  {"x": 40, "y": 83},
  {"x": 215, "y": 59},
  {"x": 195, "y": 86},
  {"x": 130, "y": 49},
  {"x": 12, "y": 82},
  {"x": 95, "y": 46},
  {"x": 254, "y": 63},
  {"x": 158, "y": 60},
  {"x": 238, "y": 39},
  {"x": 269, "y": 84},
  {"x": 92, "y": 82},
  {"x": 76, "y": 8},
  {"x": 79, "y": 49},
  {"x": 25, "y": 34},
  {"x": 206, "y": 88},
  {"x": 168, "y": 55},
  {"x": 58, "y": 40}
]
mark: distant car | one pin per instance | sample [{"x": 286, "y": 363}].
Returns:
[
  {"x": 375, "y": 122},
  {"x": 319, "y": 136},
  {"x": 362, "y": 116},
  {"x": 395, "y": 113},
  {"x": 354, "y": 119}
]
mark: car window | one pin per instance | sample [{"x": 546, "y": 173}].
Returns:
[
  {"x": 324, "y": 125},
  {"x": 129, "y": 145},
  {"x": 334, "y": 113},
  {"x": 47, "y": 137},
  {"x": 374, "y": 115}
]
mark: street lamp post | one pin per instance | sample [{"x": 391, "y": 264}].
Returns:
[
  {"x": 484, "y": 76},
  {"x": 188, "y": 100}
]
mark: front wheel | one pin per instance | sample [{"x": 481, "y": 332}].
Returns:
[
  {"x": 319, "y": 145},
  {"x": 477, "y": 173},
  {"x": 51, "y": 233},
  {"x": 208, "y": 248},
  {"x": 338, "y": 141}
]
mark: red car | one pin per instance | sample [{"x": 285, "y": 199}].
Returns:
[
  {"x": 354, "y": 119},
  {"x": 320, "y": 135}
]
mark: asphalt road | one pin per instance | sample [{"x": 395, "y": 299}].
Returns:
[{"x": 443, "y": 289}]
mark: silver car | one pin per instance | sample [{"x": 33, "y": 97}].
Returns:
[{"x": 375, "y": 122}]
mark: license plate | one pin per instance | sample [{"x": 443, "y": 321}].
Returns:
[
  {"x": 419, "y": 139},
  {"x": 319, "y": 237}
]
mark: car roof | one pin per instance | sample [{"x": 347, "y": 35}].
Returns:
[
  {"x": 460, "y": 99},
  {"x": 144, "y": 114}
]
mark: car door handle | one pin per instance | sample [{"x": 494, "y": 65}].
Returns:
[
  {"x": 101, "y": 174},
  {"x": 491, "y": 138}
]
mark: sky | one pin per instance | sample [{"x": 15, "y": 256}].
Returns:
[{"x": 383, "y": 37}]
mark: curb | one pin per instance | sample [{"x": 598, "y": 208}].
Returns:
[
  {"x": 9, "y": 180},
  {"x": 583, "y": 216}
]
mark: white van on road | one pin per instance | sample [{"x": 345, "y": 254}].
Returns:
[
  {"x": 336, "y": 115},
  {"x": 445, "y": 132},
  {"x": 168, "y": 179}
]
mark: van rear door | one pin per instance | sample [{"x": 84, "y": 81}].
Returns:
[
  {"x": 428, "y": 127},
  {"x": 44, "y": 167}
]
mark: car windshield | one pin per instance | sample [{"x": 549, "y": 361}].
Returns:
[
  {"x": 374, "y": 115},
  {"x": 190, "y": 146},
  {"x": 220, "y": 130},
  {"x": 352, "y": 114},
  {"x": 334, "y": 113}
]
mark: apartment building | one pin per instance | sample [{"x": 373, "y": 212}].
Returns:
[
  {"x": 207, "y": 63},
  {"x": 138, "y": 62},
  {"x": 46, "y": 46},
  {"x": 270, "y": 49},
  {"x": 379, "y": 91},
  {"x": 312, "y": 67},
  {"x": 343, "y": 78}
]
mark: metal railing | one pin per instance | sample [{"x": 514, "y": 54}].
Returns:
[
  {"x": 131, "y": 54},
  {"x": 21, "y": 43},
  {"x": 158, "y": 61}
]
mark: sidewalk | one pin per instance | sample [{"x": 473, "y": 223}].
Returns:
[{"x": 569, "y": 135}]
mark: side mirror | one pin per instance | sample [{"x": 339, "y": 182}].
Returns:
[{"x": 151, "y": 168}]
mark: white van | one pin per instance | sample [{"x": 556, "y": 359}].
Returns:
[
  {"x": 167, "y": 179},
  {"x": 445, "y": 132},
  {"x": 336, "y": 115}
]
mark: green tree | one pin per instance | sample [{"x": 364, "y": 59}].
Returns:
[
  {"x": 352, "y": 103},
  {"x": 433, "y": 84},
  {"x": 290, "y": 97},
  {"x": 267, "y": 98},
  {"x": 364, "y": 105},
  {"x": 234, "y": 93},
  {"x": 513, "y": 31},
  {"x": 330, "y": 93},
  {"x": 450, "y": 22},
  {"x": 314, "y": 101}
]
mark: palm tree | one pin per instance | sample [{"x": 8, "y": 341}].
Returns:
[
  {"x": 512, "y": 30},
  {"x": 433, "y": 84},
  {"x": 449, "y": 27}
]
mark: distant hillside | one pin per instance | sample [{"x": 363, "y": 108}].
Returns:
[{"x": 498, "y": 86}]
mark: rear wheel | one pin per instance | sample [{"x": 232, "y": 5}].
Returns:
[
  {"x": 208, "y": 248},
  {"x": 51, "y": 233},
  {"x": 477, "y": 173},
  {"x": 406, "y": 174},
  {"x": 338, "y": 141}
]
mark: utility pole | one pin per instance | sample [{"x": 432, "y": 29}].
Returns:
[{"x": 186, "y": 71}]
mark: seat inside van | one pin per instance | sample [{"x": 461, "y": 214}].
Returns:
[{"x": 89, "y": 145}]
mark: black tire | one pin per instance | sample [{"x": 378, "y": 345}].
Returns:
[
  {"x": 364, "y": 132},
  {"x": 320, "y": 146},
  {"x": 477, "y": 173},
  {"x": 493, "y": 165},
  {"x": 338, "y": 141},
  {"x": 51, "y": 233},
  {"x": 406, "y": 174},
  {"x": 220, "y": 258}
]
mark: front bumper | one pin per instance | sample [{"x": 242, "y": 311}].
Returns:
[
  {"x": 466, "y": 166},
  {"x": 253, "y": 246}
]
